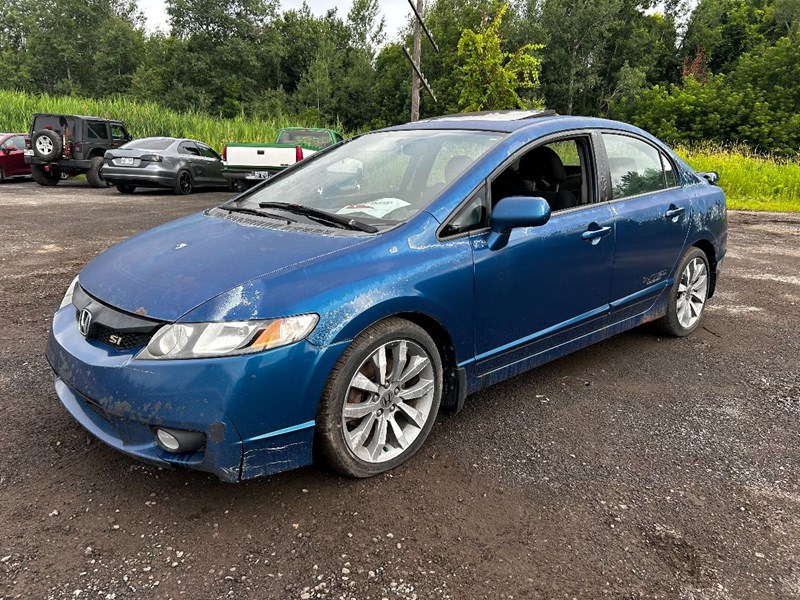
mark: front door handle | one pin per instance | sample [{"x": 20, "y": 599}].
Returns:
[
  {"x": 674, "y": 212},
  {"x": 594, "y": 235}
]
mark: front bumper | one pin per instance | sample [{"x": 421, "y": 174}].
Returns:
[
  {"x": 150, "y": 176},
  {"x": 257, "y": 411}
]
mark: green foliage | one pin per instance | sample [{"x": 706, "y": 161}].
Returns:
[
  {"x": 751, "y": 181},
  {"x": 731, "y": 78},
  {"x": 490, "y": 77},
  {"x": 756, "y": 104}
]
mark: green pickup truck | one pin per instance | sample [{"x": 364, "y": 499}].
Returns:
[{"x": 248, "y": 164}]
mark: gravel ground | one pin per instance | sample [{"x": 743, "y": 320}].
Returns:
[{"x": 641, "y": 467}]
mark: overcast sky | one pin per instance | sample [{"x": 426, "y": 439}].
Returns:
[{"x": 395, "y": 11}]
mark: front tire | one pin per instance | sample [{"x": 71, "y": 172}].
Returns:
[
  {"x": 47, "y": 178},
  {"x": 381, "y": 399},
  {"x": 183, "y": 183},
  {"x": 94, "y": 175},
  {"x": 688, "y": 295}
]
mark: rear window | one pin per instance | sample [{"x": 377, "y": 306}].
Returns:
[
  {"x": 305, "y": 137},
  {"x": 53, "y": 122},
  {"x": 149, "y": 144}
]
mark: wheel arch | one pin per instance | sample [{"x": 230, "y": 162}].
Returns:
[
  {"x": 708, "y": 249},
  {"x": 454, "y": 388}
]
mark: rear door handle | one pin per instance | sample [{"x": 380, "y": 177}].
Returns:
[
  {"x": 674, "y": 212},
  {"x": 595, "y": 234}
]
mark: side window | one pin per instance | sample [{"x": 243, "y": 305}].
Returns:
[
  {"x": 669, "y": 172},
  {"x": 471, "y": 216},
  {"x": 9, "y": 143},
  {"x": 208, "y": 152},
  {"x": 19, "y": 142},
  {"x": 555, "y": 171},
  {"x": 118, "y": 132},
  {"x": 96, "y": 130},
  {"x": 189, "y": 148},
  {"x": 635, "y": 166}
]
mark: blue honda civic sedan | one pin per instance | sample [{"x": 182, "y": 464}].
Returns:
[{"x": 333, "y": 310}]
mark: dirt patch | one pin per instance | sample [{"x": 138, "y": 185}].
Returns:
[{"x": 642, "y": 467}]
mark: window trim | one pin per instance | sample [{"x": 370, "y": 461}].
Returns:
[{"x": 657, "y": 148}]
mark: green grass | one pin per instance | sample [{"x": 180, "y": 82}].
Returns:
[
  {"x": 143, "y": 119},
  {"x": 751, "y": 181}
]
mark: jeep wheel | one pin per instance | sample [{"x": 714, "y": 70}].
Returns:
[
  {"x": 42, "y": 177},
  {"x": 46, "y": 144},
  {"x": 94, "y": 175}
]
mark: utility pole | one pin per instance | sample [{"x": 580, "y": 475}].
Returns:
[
  {"x": 416, "y": 74},
  {"x": 416, "y": 58}
]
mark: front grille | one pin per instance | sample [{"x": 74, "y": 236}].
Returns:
[
  {"x": 120, "y": 340},
  {"x": 112, "y": 327}
]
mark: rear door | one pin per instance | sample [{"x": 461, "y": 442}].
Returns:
[
  {"x": 97, "y": 136},
  {"x": 653, "y": 214},
  {"x": 213, "y": 163},
  {"x": 193, "y": 159}
]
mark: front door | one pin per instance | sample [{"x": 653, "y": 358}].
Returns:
[{"x": 549, "y": 286}]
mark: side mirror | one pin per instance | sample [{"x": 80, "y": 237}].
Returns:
[
  {"x": 516, "y": 211},
  {"x": 6, "y": 151},
  {"x": 711, "y": 176}
]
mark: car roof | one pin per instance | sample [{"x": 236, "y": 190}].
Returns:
[
  {"x": 508, "y": 121},
  {"x": 84, "y": 117}
]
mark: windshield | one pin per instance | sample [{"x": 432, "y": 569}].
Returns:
[
  {"x": 149, "y": 144},
  {"x": 305, "y": 137},
  {"x": 380, "y": 178}
]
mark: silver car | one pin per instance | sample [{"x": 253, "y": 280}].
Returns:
[{"x": 175, "y": 163}]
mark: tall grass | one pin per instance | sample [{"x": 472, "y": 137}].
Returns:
[
  {"x": 143, "y": 119},
  {"x": 751, "y": 181}
]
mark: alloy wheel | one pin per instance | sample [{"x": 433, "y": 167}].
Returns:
[
  {"x": 692, "y": 292},
  {"x": 388, "y": 401},
  {"x": 185, "y": 182}
]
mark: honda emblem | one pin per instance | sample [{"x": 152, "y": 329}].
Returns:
[{"x": 84, "y": 322}]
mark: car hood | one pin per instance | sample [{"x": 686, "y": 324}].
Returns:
[{"x": 165, "y": 272}]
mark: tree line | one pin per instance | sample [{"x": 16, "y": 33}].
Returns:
[{"x": 723, "y": 70}]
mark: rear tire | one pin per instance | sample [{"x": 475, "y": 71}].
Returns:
[
  {"x": 688, "y": 295},
  {"x": 125, "y": 188},
  {"x": 42, "y": 177},
  {"x": 94, "y": 175},
  {"x": 381, "y": 399},
  {"x": 183, "y": 183}
]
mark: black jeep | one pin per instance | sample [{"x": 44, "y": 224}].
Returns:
[{"x": 66, "y": 145}]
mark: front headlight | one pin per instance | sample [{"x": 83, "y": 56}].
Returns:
[
  {"x": 203, "y": 340},
  {"x": 68, "y": 295}
]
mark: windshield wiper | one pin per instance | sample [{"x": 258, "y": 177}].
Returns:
[
  {"x": 260, "y": 213},
  {"x": 321, "y": 215}
]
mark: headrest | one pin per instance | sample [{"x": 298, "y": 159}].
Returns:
[
  {"x": 544, "y": 163},
  {"x": 456, "y": 166}
]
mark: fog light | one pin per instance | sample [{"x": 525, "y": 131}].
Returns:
[{"x": 177, "y": 440}]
